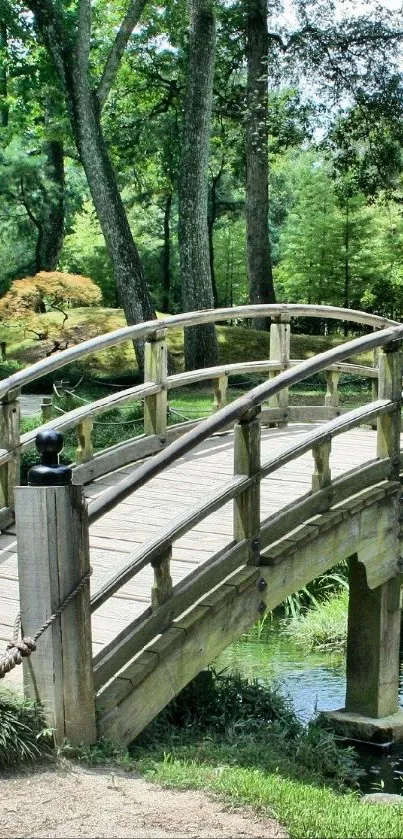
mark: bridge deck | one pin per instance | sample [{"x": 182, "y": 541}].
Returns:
[{"x": 140, "y": 516}]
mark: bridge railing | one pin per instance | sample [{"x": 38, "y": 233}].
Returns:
[
  {"x": 49, "y": 516},
  {"x": 251, "y": 535},
  {"x": 154, "y": 392}
]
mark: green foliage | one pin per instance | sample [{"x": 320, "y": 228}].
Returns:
[
  {"x": 24, "y": 736},
  {"x": 323, "y": 626},
  {"x": 307, "y": 810},
  {"x": 226, "y": 719}
]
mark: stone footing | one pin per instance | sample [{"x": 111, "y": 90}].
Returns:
[{"x": 358, "y": 727}]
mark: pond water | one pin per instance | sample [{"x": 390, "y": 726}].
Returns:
[{"x": 314, "y": 682}]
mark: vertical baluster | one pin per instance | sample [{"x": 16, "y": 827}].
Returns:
[
  {"x": 388, "y": 425},
  {"x": 247, "y": 462},
  {"x": 46, "y": 408},
  {"x": 156, "y": 370},
  {"x": 162, "y": 588},
  {"x": 332, "y": 391},
  {"x": 321, "y": 477},
  {"x": 10, "y": 440},
  {"x": 220, "y": 386},
  {"x": 85, "y": 448},
  {"x": 280, "y": 335}
]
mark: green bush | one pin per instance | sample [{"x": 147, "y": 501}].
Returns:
[{"x": 24, "y": 736}]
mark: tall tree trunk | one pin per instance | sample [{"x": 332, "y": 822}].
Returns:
[
  {"x": 166, "y": 255},
  {"x": 3, "y": 76},
  {"x": 71, "y": 57},
  {"x": 261, "y": 288},
  {"x": 51, "y": 221},
  {"x": 130, "y": 281},
  {"x": 211, "y": 218},
  {"x": 346, "y": 264},
  {"x": 200, "y": 342}
]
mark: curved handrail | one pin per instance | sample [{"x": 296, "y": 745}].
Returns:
[
  {"x": 143, "y": 330},
  {"x": 225, "y": 416},
  {"x": 156, "y": 545},
  {"x": 139, "y": 392}
]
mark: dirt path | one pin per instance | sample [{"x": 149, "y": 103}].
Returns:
[{"x": 72, "y": 801}]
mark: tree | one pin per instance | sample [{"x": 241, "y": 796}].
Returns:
[
  {"x": 261, "y": 288},
  {"x": 66, "y": 33},
  {"x": 48, "y": 290},
  {"x": 200, "y": 341}
]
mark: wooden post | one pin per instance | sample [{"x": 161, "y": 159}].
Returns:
[
  {"x": 220, "y": 386},
  {"x": 388, "y": 425},
  {"x": 321, "y": 477},
  {"x": 280, "y": 335},
  {"x": 162, "y": 588},
  {"x": 332, "y": 390},
  {"x": 10, "y": 440},
  {"x": 3, "y": 350},
  {"x": 372, "y": 645},
  {"x": 85, "y": 448},
  {"x": 156, "y": 370},
  {"x": 53, "y": 557},
  {"x": 247, "y": 462},
  {"x": 46, "y": 408}
]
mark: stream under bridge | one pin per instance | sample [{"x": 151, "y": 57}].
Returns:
[{"x": 194, "y": 530}]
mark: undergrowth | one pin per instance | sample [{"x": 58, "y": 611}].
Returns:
[
  {"x": 323, "y": 626},
  {"x": 228, "y": 719},
  {"x": 24, "y": 735}
]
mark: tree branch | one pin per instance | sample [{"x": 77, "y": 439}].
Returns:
[
  {"x": 111, "y": 68},
  {"x": 83, "y": 36},
  {"x": 26, "y": 206},
  {"x": 49, "y": 21}
]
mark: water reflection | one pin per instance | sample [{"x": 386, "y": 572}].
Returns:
[{"x": 313, "y": 682}]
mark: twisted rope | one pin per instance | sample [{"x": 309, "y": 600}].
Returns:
[{"x": 17, "y": 650}]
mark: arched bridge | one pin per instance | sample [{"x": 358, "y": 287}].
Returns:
[{"x": 194, "y": 530}]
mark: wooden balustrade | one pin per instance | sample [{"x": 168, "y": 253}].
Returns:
[{"x": 154, "y": 391}]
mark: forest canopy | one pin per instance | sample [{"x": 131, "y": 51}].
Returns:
[{"x": 204, "y": 153}]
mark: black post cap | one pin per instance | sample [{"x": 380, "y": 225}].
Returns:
[{"x": 49, "y": 472}]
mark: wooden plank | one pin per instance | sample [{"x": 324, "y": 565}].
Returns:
[
  {"x": 206, "y": 634},
  {"x": 140, "y": 632}
]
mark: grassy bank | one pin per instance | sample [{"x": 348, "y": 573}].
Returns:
[
  {"x": 239, "y": 740},
  {"x": 323, "y": 626},
  {"x": 243, "y": 742}
]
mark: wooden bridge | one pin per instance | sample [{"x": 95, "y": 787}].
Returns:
[{"x": 194, "y": 530}]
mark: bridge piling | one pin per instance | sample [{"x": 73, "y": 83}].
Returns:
[{"x": 53, "y": 557}]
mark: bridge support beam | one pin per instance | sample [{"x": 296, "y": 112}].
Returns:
[{"x": 372, "y": 645}]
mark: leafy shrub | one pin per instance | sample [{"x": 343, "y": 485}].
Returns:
[{"x": 24, "y": 736}]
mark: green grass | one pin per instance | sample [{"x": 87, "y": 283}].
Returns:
[
  {"x": 24, "y": 736},
  {"x": 236, "y": 343},
  {"x": 304, "y": 809},
  {"x": 323, "y": 626},
  {"x": 242, "y": 741}
]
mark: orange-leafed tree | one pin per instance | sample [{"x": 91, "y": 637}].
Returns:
[
  {"x": 45, "y": 291},
  {"x": 28, "y": 301}
]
